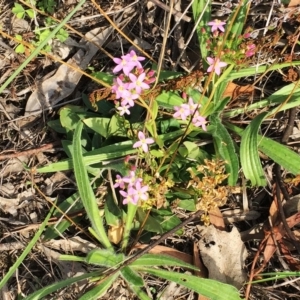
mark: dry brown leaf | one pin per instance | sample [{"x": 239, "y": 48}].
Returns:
[
  {"x": 294, "y": 3},
  {"x": 233, "y": 90},
  {"x": 115, "y": 234},
  {"x": 216, "y": 218},
  {"x": 219, "y": 251},
  {"x": 168, "y": 251}
]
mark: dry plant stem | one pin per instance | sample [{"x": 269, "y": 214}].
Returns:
[
  {"x": 191, "y": 34},
  {"x": 289, "y": 126},
  {"x": 178, "y": 35},
  {"x": 280, "y": 187},
  {"x": 120, "y": 31},
  {"x": 56, "y": 59},
  {"x": 30, "y": 152},
  {"x": 67, "y": 217},
  {"x": 175, "y": 12},
  {"x": 163, "y": 47},
  {"x": 252, "y": 274}
]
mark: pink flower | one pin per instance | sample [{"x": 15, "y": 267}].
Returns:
[
  {"x": 216, "y": 24},
  {"x": 215, "y": 65},
  {"x": 128, "y": 98},
  {"x": 137, "y": 83},
  {"x": 250, "y": 50},
  {"x": 142, "y": 191},
  {"x": 199, "y": 121},
  {"x": 120, "y": 88},
  {"x": 136, "y": 59},
  {"x": 192, "y": 106},
  {"x": 130, "y": 196},
  {"x": 182, "y": 111},
  {"x": 119, "y": 182},
  {"x": 124, "y": 109},
  {"x": 131, "y": 179},
  {"x": 124, "y": 63},
  {"x": 143, "y": 142}
]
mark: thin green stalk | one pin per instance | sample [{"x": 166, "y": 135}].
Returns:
[{"x": 129, "y": 220}]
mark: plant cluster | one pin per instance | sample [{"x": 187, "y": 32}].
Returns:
[{"x": 153, "y": 154}]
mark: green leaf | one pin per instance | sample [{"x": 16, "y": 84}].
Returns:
[
  {"x": 160, "y": 260},
  {"x": 244, "y": 72},
  {"x": 62, "y": 35},
  {"x": 104, "y": 257},
  {"x": 101, "y": 288},
  {"x": 117, "y": 126},
  {"x": 237, "y": 21},
  {"x": 132, "y": 277},
  {"x": 193, "y": 151},
  {"x": 112, "y": 213},
  {"x": 99, "y": 125},
  {"x": 224, "y": 146},
  {"x": 58, "y": 285},
  {"x": 85, "y": 190},
  {"x": 141, "y": 295},
  {"x": 18, "y": 10},
  {"x": 151, "y": 224},
  {"x": 212, "y": 289},
  {"x": 69, "y": 117},
  {"x": 20, "y": 49},
  {"x": 249, "y": 153},
  {"x": 187, "y": 204},
  {"x": 281, "y": 154},
  {"x": 105, "y": 77},
  {"x": 169, "y": 100},
  {"x": 106, "y": 153},
  {"x": 202, "y": 10}
]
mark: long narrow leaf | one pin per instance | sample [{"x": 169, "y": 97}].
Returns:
[
  {"x": 225, "y": 147},
  {"x": 85, "y": 190},
  {"x": 249, "y": 153},
  {"x": 58, "y": 285},
  {"x": 160, "y": 260},
  {"x": 100, "y": 289},
  {"x": 212, "y": 289}
]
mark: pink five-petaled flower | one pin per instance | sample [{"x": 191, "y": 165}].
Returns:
[
  {"x": 127, "y": 98},
  {"x": 138, "y": 83},
  {"x": 124, "y": 63},
  {"x": 119, "y": 182},
  {"x": 120, "y": 88},
  {"x": 142, "y": 191},
  {"x": 199, "y": 121},
  {"x": 130, "y": 196},
  {"x": 216, "y": 24},
  {"x": 215, "y": 65},
  {"x": 182, "y": 111},
  {"x": 143, "y": 142},
  {"x": 123, "y": 109},
  {"x": 136, "y": 59},
  {"x": 193, "y": 106},
  {"x": 131, "y": 180}
]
